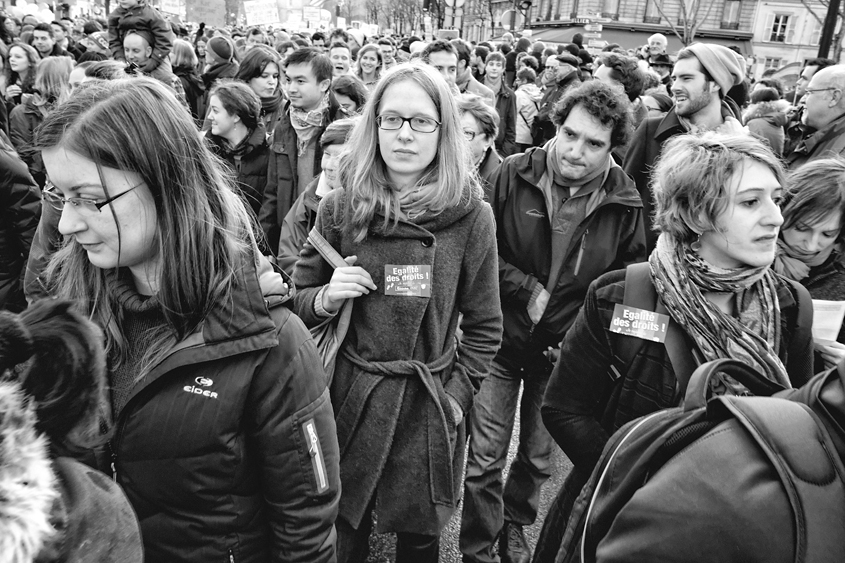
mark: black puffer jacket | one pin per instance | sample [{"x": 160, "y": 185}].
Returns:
[
  {"x": 20, "y": 209},
  {"x": 227, "y": 448}
]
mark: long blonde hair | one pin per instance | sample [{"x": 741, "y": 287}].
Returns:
[
  {"x": 204, "y": 232},
  {"x": 364, "y": 172}
]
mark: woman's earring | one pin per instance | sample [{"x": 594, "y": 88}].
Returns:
[{"x": 696, "y": 244}]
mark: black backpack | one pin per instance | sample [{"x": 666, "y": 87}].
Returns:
[{"x": 652, "y": 462}]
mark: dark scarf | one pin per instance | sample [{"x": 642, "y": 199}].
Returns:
[
  {"x": 272, "y": 104},
  {"x": 681, "y": 278}
]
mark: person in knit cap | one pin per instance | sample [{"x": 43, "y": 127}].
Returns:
[
  {"x": 220, "y": 61},
  {"x": 137, "y": 15},
  {"x": 702, "y": 76}
]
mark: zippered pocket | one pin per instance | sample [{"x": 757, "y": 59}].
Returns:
[{"x": 309, "y": 429}]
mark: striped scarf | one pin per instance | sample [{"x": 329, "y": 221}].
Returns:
[{"x": 681, "y": 278}]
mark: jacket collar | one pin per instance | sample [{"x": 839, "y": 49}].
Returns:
[
  {"x": 670, "y": 125},
  {"x": 531, "y": 166},
  {"x": 831, "y": 131},
  {"x": 238, "y": 325}
]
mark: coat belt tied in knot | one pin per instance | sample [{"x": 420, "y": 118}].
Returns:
[{"x": 438, "y": 409}]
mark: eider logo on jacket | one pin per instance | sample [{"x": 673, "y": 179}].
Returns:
[{"x": 203, "y": 382}]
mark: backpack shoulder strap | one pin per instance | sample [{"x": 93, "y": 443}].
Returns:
[
  {"x": 325, "y": 249},
  {"x": 812, "y": 474},
  {"x": 640, "y": 293}
]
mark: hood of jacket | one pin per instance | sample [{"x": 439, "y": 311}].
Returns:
[
  {"x": 531, "y": 165},
  {"x": 772, "y": 112},
  {"x": 28, "y": 486},
  {"x": 533, "y": 92},
  {"x": 257, "y": 138}
]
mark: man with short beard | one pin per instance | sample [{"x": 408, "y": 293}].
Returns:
[{"x": 702, "y": 76}]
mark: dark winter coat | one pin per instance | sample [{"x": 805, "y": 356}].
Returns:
[
  {"x": 142, "y": 18},
  {"x": 56, "y": 510},
  {"x": 22, "y": 123},
  {"x": 227, "y": 448},
  {"x": 826, "y": 142},
  {"x": 827, "y": 282},
  {"x": 298, "y": 223},
  {"x": 487, "y": 171},
  {"x": 506, "y": 108},
  {"x": 645, "y": 148},
  {"x": 20, "y": 209},
  {"x": 551, "y": 96},
  {"x": 194, "y": 91},
  {"x": 610, "y": 237},
  {"x": 583, "y": 406},
  {"x": 766, "y": 120},
  {"x": 398, "y": 438},
  {"x": 282, "y": 178},
  {"x": 249, "y": 164}
]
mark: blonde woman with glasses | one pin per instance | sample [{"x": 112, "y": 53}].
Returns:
[{"x": 420, "y": 245}]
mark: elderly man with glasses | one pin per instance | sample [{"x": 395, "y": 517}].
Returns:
[{"x": 824, "y": 111}]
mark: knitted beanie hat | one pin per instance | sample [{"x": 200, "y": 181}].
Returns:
[
  {"x": 220, "y": 49},
  {"x": 722, "y": 64}
]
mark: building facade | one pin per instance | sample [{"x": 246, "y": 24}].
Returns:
[{"x": 786, "y": 33}]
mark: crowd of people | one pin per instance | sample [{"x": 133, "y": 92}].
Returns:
[{"x": 168, "y": 196}]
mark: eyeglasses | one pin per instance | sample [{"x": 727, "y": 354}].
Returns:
[
  {"x": 470, "y": 135},
  {"x": 418, "y": 124},
  {"x": 812, "y": 90},
  {"x": 51, "y": 195}
]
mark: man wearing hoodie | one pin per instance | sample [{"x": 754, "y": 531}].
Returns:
[{"x": 565, "y": 214}]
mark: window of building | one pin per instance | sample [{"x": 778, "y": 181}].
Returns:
[
  {"x": 652, "y": 14},
  {"x": 610, "y": 8},
  {"x": 779, "y": 28},
  {"x": 730, "y": 15},
  {"x": 772, "y": 63},
  {"x": 817, "y": 33}
]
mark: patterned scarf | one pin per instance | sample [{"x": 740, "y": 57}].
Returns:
[
  {"x": 308, "y": 123},
  {"x": 681, "y": 278}
]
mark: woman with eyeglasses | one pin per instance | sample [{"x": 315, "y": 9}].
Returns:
[
  {"x": 420, "y": 246},
  {"x": 223, "y": 435},
  {"x": 52, "y": 79},
  {"x": 480, "y": 124}
]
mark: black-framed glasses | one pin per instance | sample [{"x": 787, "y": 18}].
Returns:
[
  {"x": 470, "y": 135},
  {"x": 812, "y": 90},
  {"x": 392, "y": 122},
  {"x": 52, "y": 196}
]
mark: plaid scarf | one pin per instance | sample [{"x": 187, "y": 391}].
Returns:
[
  {"x": 308, "y": 124},
  {"x": 681, "y": 278}
]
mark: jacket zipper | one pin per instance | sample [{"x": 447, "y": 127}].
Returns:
[
  {"x": 231, "y": 556},
  {"x": 581, "y": 252},
  {"x": 316, "y": 454}
]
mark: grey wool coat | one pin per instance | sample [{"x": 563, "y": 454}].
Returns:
[{"x": 399, "y": 442}]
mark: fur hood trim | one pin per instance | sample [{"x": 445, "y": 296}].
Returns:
[
  {"x": 766, "y": 109},
  {"x": 28, "y": 485}
]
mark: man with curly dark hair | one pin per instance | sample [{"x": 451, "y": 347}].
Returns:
[{"x": 565, "y": 214}]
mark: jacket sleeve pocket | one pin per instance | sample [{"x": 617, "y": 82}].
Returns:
[{"x": 315, "y": 450}]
